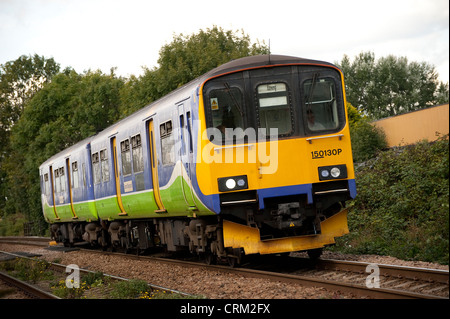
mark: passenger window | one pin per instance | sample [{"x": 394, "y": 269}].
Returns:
[
  {"x": 321, "y": 105},
  {"x": 75, "y": 175},
  {"x": 167, "y": 143},
  {"x": 46, "y": 185},
  {"x": 126, "y": 157},
  {"x": 274, "y": 108},
  {"x": 57, "y": 181},
  {"x": 62, "y": 179},
  {"x": 96, "y": 168},
  {"x": 138, "y": 158},
  {"x": 104, "y": 164}
]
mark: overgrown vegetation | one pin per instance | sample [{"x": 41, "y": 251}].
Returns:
[
  {"x": 402, "y": 206},
  {"x": 93, "y": 285},
  {"x": 12, "y": 225},
  {"x": 367, "y": 140},
  {"x": 28, "y": 269}
]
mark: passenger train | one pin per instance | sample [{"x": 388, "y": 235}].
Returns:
[{"x": 253, "y": 157}]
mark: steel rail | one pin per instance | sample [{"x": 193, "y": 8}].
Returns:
[
  {"x": 357, "y": 290},
  {"x": 414, "y": 273},
  {"x": 63, "y": 268},
  {"x": 27, "y": 288},
  {"x": 440, "y": 276}
]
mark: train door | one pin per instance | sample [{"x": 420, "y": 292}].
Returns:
[
  {"x": 186, "y": 154},
  {"x": 154, "y": 166},
  {"x": 52, "y": 191},
  {"x": 69, "y": 176},
  {"x": 117, "y": 178}
]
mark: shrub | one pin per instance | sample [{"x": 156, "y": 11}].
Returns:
[
  {"x": 367, "y": 140},
  {"x": 402, "y": 206}
]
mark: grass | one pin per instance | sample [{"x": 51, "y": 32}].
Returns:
[{"x": 91, "y": 286}]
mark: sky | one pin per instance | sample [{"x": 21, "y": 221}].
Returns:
[{"x": 128, "y": 34}]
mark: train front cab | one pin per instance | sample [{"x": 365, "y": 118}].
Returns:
[{"x": 283, "y": 191}]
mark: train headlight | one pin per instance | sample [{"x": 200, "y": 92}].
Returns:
[
  {"x": 332, "y": 172},
  {"x": 325, "y": 173},
  {"x": 232, "y": 183},
  {"x": 335, "y": 172}
]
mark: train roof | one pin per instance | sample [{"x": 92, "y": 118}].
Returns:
[
  {"x": 67, "y": 151},
  {"x": 257, "y": 61}
]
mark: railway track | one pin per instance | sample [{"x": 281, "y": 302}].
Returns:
[
  {"x": 40, "y": 294},
  {"x": 336, "y": 275},
  {"x": 26, "y": 288}
]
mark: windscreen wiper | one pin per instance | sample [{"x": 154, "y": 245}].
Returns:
[
  {"x": 311, "y": 90},
  {"x": 236, "y": 104}
]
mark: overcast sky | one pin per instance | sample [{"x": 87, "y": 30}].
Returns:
[{"x": 128, "y": 34}]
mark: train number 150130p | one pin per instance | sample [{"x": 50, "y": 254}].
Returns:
[{"x": 325, "y": 153}]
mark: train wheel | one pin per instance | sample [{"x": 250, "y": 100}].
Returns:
[
  {"x": 210, "y": 258},
  {"x": 232, "y": 261},
  {"x": 315, "y": 254}
]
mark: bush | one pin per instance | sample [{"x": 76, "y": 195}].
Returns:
[
  {"x": 12, "y": 225},
  {"x": 367, "y": 140},
  {"x": 130, "y": 289},
  {"x": 402, "y": 206}
]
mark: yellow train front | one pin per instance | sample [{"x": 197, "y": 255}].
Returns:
[{"x": 274, "y": 160}]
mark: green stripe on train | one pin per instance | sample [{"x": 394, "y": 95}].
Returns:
[{"x": 136, "y": 205}]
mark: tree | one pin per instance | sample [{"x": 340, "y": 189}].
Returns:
[
  {"x": 68, "y": 109},
  {"x": 184, "y": 59},
  {"x": 20, "y": 80},
  {"x": 391, "y": 85}
]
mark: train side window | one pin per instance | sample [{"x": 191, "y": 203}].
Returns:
[
  {"x": 46, "y": 185},
  {"x": 138, "y": 158},
  {"x": 75, "y": 175},
  {"x": 105, "y": 166},
  {"x": 183, "y": 148},
  {"x": 126, "y": 157},
  {"x": 96, "y": 168},
  {"x": 57, "y": 181},
  {"x": 62, "y": 178},
  {"x": 274, "y": 108},
  {"x": 167, "y": 143}
]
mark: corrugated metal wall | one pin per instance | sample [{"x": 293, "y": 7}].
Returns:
[{"x": 412, "y": 127}]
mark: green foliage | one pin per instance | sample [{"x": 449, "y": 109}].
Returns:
[
  {"x": 391, "y": 85},
  {"x": 12, "y": 225},
  {"x": 20, "y": 80},
  {"x": 28, "y": 269},
  {"x": 184, "y": 59},
  {"x": 402, "y": 206},
  {"x": 367, "y": 140},
  {"x": 354, "y": 115},
  {"x": 71, "y": 107},
  {"x": 61, "y": 290},
  {"x": 130, "y": 289}
]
